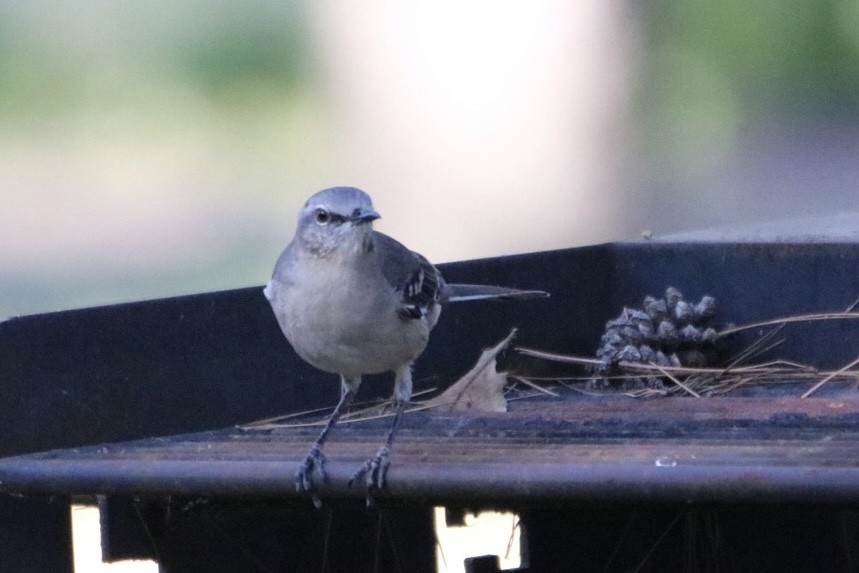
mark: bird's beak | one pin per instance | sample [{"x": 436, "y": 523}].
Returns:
[{"x": 365, "y": 216}]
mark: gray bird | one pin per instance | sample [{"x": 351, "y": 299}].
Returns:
[{"x": 353, "y": 301}]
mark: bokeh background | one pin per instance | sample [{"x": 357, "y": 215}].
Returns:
[{"x": 151, "y": 149}]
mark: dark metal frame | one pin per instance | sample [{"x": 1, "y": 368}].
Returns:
[{"x": 209, "y": 361}]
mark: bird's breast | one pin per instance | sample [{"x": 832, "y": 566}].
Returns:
[{"x": 349, "y": 327}]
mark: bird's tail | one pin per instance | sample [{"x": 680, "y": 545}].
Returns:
[{"x": 462, "y": 293}]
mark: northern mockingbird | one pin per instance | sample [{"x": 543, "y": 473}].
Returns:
[{"x": 354, "y": 301}]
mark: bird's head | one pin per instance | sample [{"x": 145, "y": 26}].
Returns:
[{"x": 338, "y": 219}]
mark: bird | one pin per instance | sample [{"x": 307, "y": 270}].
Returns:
[{"x": 353, "y": 301}]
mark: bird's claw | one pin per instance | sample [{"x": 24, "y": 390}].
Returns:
[
  {"x": 376, "y": 471},
  {"x": 304, "y": 474}
]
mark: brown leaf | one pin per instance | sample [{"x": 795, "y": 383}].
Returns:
[{"x": 481, "y": 389}]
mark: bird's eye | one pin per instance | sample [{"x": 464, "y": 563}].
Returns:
[
  {"x": 356, "y": 213},
  {"x": 322, "y": 216}
]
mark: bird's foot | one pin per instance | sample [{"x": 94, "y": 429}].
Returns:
[
  {"x": 304, "y": 474},
  {"x": 376, "y": 471}
]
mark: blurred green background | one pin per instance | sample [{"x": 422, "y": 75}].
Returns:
[{"x": 151, "y": 149}]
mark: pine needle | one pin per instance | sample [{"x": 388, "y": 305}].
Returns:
[{"x": 790, "y": 319}]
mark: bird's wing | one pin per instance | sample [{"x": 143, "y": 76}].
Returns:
[{"x": 409, "y": 274}]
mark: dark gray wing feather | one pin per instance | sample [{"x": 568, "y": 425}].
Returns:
[
  {"x": 410, "y": 274},
  {"x": 422, "y": 286},
  {"x": 466, "y": 292}
]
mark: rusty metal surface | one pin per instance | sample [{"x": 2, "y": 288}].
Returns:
[{"x": 674, "y": 449}]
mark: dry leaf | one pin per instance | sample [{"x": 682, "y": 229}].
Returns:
[{"x": 481, "y": 389}]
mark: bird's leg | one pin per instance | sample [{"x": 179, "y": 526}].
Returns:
[
  {"x": 315, "y": 457},
  {"x": 376, "y": 468}
]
